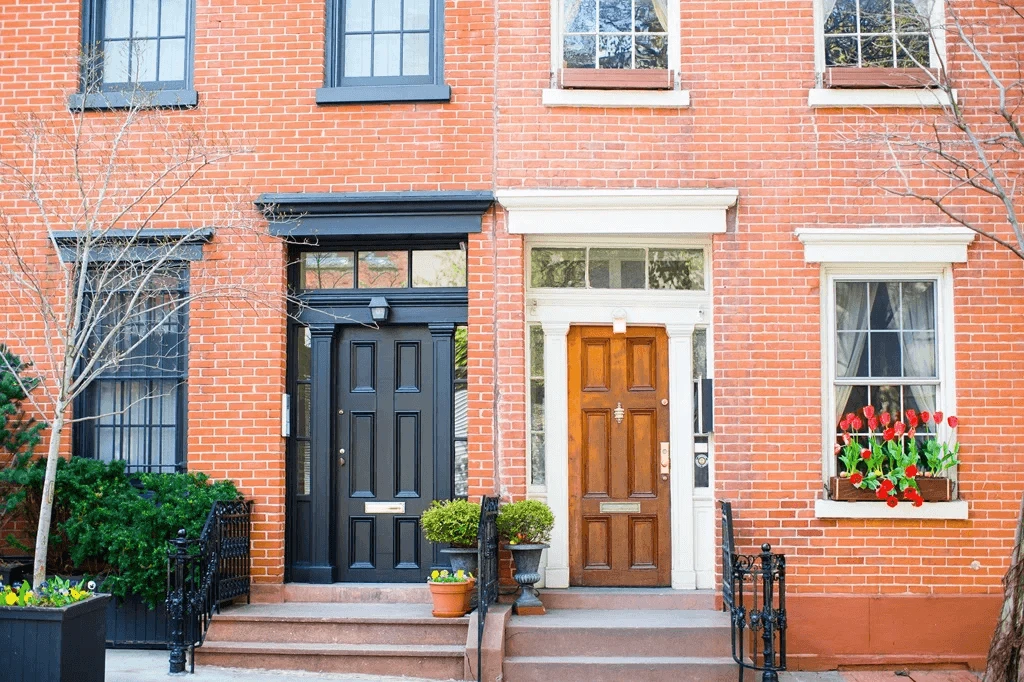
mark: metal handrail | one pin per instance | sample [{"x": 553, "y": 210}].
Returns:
[
  {"x": 204, "y": 573},
  {"x": 487, "y": 571}
]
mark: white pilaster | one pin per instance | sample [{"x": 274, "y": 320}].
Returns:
[
  {"x": 556, "y": 448},
  {"x": 680, "y": 374}
]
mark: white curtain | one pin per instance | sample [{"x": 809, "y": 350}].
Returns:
[
  {"x": 852, "y": 310},
  {"x": 919, "y": 356}
]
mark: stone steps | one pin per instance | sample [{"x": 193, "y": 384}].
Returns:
[
  {"x": 627, "y": 598},
  {"x": 618, "y": 669}
]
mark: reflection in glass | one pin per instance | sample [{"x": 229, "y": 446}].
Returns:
[
  {"x": 558, "y": 268},
  {"x": 880, "y": 33},
  {"x": 383, "y": 269},
  {"x": 615, "y": 34},
  {"x": 302, "y": 479},
  {"x": 304, "y": 351},
  {"x": 439, "y": 268},
  {"x": 536, "y": 365},
  {"x": 700, "y": 353},
  {"x": 327, "y": 270},
  {"x": 676, "y": 269},
  {"x": 616, "y": 268},
  {"x": 461, "y": 412}
]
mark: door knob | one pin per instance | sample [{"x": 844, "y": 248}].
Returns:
[{"x": 341, "y": 461}]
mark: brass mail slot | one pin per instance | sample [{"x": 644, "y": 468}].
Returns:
[
  {"x": 620, "y": 507},
  {"x": 384, "y": 508}
]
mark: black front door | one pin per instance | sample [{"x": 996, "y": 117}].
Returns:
[{"x": 384, "y": 450}]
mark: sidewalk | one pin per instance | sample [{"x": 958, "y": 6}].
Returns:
[{"x": 125, "y": 665}]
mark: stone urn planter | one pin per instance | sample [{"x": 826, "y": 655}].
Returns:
[
  {"x": 50, "y": 644},
  {"x": 462, "y": 558},
  {"x": 527, "y": 560}
]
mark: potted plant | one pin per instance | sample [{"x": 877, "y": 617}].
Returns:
[
  {"x": 894, "y": 459},
  {"x": 526, "y": 526},
  {"x": 450, "y": 592},
  {"x": 57, "y": 632},
  {"x": 454, "y": 522}
]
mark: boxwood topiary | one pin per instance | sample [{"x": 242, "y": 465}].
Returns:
[
  {"x": 452, "y": 521},
  {"x": 526, "y": 522}
]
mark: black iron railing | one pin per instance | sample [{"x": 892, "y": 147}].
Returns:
[
  {"x": 204, "y": 573},
  {"x": 754, "y": 595},
  {"x": 487, "y": 571}
]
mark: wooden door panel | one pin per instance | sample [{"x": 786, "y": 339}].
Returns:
[
  {"x": 596, "y": 443},
  {"x": 642, "y": 453},
  {"x": 618, "y": 501}
]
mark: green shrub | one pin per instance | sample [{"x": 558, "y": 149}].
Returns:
[
  {"x": 19, "y": 434},
  {"x": 452, "y": 521},
  {"x": 525, "y": 522},
  {"x": 117, "y": 527}
]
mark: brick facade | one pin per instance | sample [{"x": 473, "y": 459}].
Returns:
[{"x": 748, "y": 67}]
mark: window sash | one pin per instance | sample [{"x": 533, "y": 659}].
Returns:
[{"x": 936, "y": 37}]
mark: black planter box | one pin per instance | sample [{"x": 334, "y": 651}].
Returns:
[
  {"x": 131, "y": 624},
  {"x": 50, "y": 644}
]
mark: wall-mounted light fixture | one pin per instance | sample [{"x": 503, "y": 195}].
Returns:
[
  {"x": 619, "y": 321},
  {"x": 379, "y": 308}
]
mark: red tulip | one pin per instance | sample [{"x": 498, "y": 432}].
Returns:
[
  {"x": 892, "y": 501},
  {"x": 912, "y": 420},
  {"x": 846, "y": 438},
  {"x": 869, "y": 411},
  {"x": 856, "y": 478},
  {"x": 844, "y": 425},
  {"x": 886, "y": 485},
  {"x": 873, "y": 423},
  {"x": 918, "y": 501},
  {"x": 910, "y": 471},
  {"x": 937, "y": 417},
  {"x": 881, "y": 493},
  {"x": 911, "y": 412},
  {"x": 900, "y": 428},
  {"x": 925, "y": 416},
  {"x": 952, "y": 421},
  {"x": 885, "y": 418},
  {"x": 888, "y": 434},
  {"x": 838, "y": 449},
  {"x": 857, "y": 423},
  {"x": 865, "y": 453}
]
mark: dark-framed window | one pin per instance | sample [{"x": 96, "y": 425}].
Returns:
[
  {"x": 135, "y": 410},
  {"x": 137, "y": 53},
  {"x": 384, "y": 51}
]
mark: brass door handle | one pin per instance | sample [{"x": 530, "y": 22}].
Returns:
[{"x": 665, "y": 460}]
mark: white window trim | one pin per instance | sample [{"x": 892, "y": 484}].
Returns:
[
  {"x": 560, "y": 97},
  {"x": 879, "y": 97},
  {"x": 891, "y": 254}
]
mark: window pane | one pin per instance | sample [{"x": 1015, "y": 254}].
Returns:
[
  {"x": 579, "y": 52},
  {"x": 383, "y": 269},
  {"x": 841, "y": 51},
  {"x": 172, "y": 18},
  {"x": 172, "y": 59},
  {"x": 358, "y": 16},
  {"x": 616, "y": 268},
  {"x": 536, "y": 350},
  {"x": 144, "y": 57},
  {"x": 416, "y": 54},
  {"x": 651, "y": 52},
  {"x": 303, "y": 483},
  {"x": 887, "y": 399},
  {"x": 851, "y": 354},
  {"x": 304, "y": 351},
  {"x": 850, "y": 399},
  {"x": 461, "y": 353},
  {"x": 851, "y": 305},
  {"x": 912, "y": 51},
  {"x": 885, "y": 354},
  {"x": 676, "y": 269},
  {"x": 616, "y": 15},
  {"x": 537, "y": 404},
  {"x": 919, "y": 306},
  {"x": 650, "y": 16},
  {"x": 920, "y": 399},
  {"x": 387, "y": 54},
  {"x": 877, "y": 51},
  {"x": 117, "y": 16},
  {"x": 417, "y": 15},
  {"x": 387, "y": 15},
  {"x": 115, "y": 62},
  {"x": 580, "y": 16},
  {"x": 875, "y": 16},
  {"x": 537, "y": 473},
  {"x": 558, "y": 268},
  {"x": 461, "y": 482},
  {"x": 439, "y": 268},
  {"x": 843, "y": 18},
  {"x": 913, "y": 15},
  {"x": 885, "y": 305},
  {"x": 145, "y": 18},
  {"x": 302, "y": 410},
  {"x": 919, "y": 354},
  {"x": 327, "y": 270},
  {"x": 700, "y": 353},
  {"x": 357, "y": 56},
  {"x": 615, "y": 52}
]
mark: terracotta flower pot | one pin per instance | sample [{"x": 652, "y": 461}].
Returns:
[{"x": 451, "y": 600}]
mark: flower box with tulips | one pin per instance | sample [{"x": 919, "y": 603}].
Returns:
[{"x": 894, "y": 460}]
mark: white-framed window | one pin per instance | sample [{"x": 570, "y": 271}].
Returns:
[
  {"x": 615, "y": 44},
  {"x": 618, "y": 267},
  {"x": 889, "y": 344},
  {"x": 879, "y": 43}
]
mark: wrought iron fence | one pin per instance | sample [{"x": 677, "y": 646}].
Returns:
[
  {"x": 754, "y": 595},
  {"x": 204, "y": 573},
  {"x": 487, "y": 571}
]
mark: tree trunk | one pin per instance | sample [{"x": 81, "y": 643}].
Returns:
[
  {"x": 1004, "y": 654},
  {"x": 46, "y": 503}
]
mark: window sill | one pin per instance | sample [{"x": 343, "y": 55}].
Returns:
[
  {"x": 879, "y": 97},
  {"x": 611, "y": 99},
  {"x": 142, "y": 99},
  {"x": 383, "y": 94},
  {"x": 948, "y": 511}
]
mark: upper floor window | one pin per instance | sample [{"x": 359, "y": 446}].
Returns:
[
  {"x": 135, "y": 409},
  {"x": 138, "y": 53},
  {"x": 384, "y": 50},
  {"x": 615, "y": 43},
  {"x": 894, "y": 42}
]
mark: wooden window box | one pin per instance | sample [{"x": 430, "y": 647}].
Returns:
[
  {"x": 879, "y": 77},
  {"x": 933, "y": 489},
  {"x": 617, "y": 79}
]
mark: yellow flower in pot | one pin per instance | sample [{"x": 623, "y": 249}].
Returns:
[{"x": 451, "y": 592}]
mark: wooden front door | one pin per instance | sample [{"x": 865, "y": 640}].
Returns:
[
  {"x": 618, "y": 496},
  {"x": 386, "y": 457}
]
